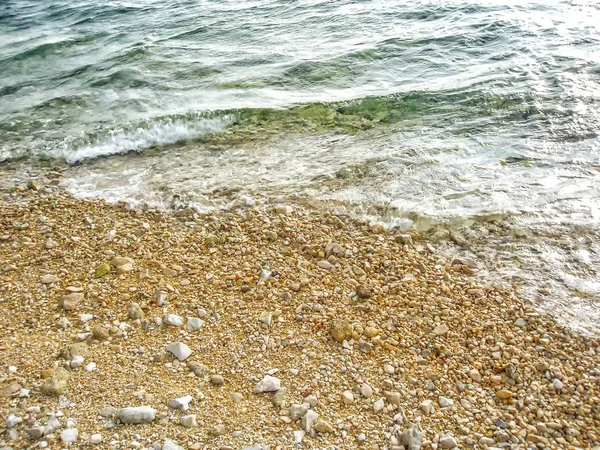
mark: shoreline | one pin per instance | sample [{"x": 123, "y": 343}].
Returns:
[{"x": 372, "y": 331}]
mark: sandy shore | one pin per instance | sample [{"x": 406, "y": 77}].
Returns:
[{"x": 363, "y": 339}]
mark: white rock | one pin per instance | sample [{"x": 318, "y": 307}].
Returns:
[
  {"x": 96, "y": 439},
  {"x": 181, "y": 403},
  {"x": 179, "y": 350},
  {"x": 86, "y": 317},
  {"x": 366, "y": 391},
  {"x": 298, "y": 436},
  {"x": 558, "y": 385},
  {"x": 90, "y": 367},
  {"x": 24, "y": 392},
  {"x": 171, "y": 445},
  {"x": 160, "y": 297},
  {"x": 51, "y": 426},
  {"x": 426, "y": 406},
  {"x": 194, "y": 324},
  {"x": 309, "y": 419},
  {"x": 520, "y": 322},
  {"x": 266, "y": 318},
  {"x": 362, "y": 437},
  {"x": 13, "y": 420},
  {"x": 445, "y": 402},
  {"x": 297, "y": 411},
  {"x": 77, "y": 361},
  {"x": 475, "y": 375},
  {"x": 441, "y": 330},
  {"x": 173, "y": 319},
  {"x": 389, "y": 369},
  {"x": 138, "y": 414},
  {"x": 69, "y": 435},
  {"x": 447, "y": 441},
  {"x": 268, "y": 384},
  {"x": 189, "y": 421},
  {"x": 378, "y": 406},
  {"x": 347, "y": 397},
  {"x": 294, "y": 372},
  {"x": 12, "y": 369}
]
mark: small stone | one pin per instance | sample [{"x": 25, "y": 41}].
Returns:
[
  {"x": 441, "y": 330},
  {"x": 35, "y": 432},
  {"x": 475, "y": 375},
  {"x": 189, "y": 421},
  {"x": 389, "y": 369},
  {"x": 173, "y": 320},
  {"x": 309, "y": 419},
  {"x": 194, "y": 324},
  {"x": 69, "y": 302},
  {"x": 348, "y": 397},
  {"x": 520, "y": 322},
  {"x": 108, "y": 412},
  {"x": 447, "y": 441},
  {"x": 311, "y": 400},
  {"x": 341, "y": 330},
  {"x": 363, "y": 291},
  {"x": 160, "y": 297},
  {"x": 198, "y": 369},
  {"x": 297, "y": 411},
  {"x": 321, "y": 426},
  {"x": 73, "y": 350},
  {"x": 100, "y": 333},
  {"x": 378, "y": 406},
  {"x": 51, "y": 426},
  {"x": 324, "y": 264},
  {"x": 136, "y": 415},
  {"x": 218, "y": 430},
  {"x": 445, "y": 402},
  {"x": 393, "y": 397},
  {"x": 362, "y": 437},
  {"x": 13, "y": 420},
  {"x": 64, "y": 323},
  {"x": 69, "y": 435},
  {"x": 366, "y": 391},
  {"x": 10, "y": 390},
  {"x": 179, "y": 350},
  {"x": 412, "y": 438},
  {"x": 90, "y": 367},
  {"x": 268, "y": 384},
  {"x": 119, "y": 261},
  {"x": 504, "y": 394},
  {"x": 170, "y": 445},
  {"x": 96, "y": 439},
  {"x": 426, "y": 406},
  {"x": 49, "y": 279},
  {"x": 558, "y": 385},
  {"x": 279, "y": 397},
  {"x": 101, "y": 270},
  {"x": 134, "y": 312},
  {"x": 77, "y": 361},
  {"x": 57, "y": 384},
  {"x": 298, "y": 436},
  {"x": 238, "y": 397},
  {"x": 217, "y": 380},
  {"x": 181, "y": 403},
  {"x": 266, "y": 318}
]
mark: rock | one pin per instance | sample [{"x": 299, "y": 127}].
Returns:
[
  {"x": 134, "y": 312},
  {"x": 49, "y": 279},
  {"x": 426, "y": 406},
  {"x": 520, "y": 322},
  {"x": 217, "y": 380},
  {"x": 347, "y": 397},
  {"x": 324, "y": 264},
  {"x": 378, "y": 406},
  {"x": 173, "y": 320},
  {"x": 181, "y": 403},
  {"x": 57, "y": 384},
  {"x": 171, "y": 445},
  {"x": 100, "y": 333},
  {"x": 558, "y": 385},
  {"x": 10, "y": 390},
  {"x": 198, "y": 369},
  {"x": 95, "y": 439},
  {"x": 447, "y": 441},
  {"x": 445, "y": 402},
  {"x": 69, "y": 302},
  {"x": 279, "y": 397},
  {"x": 13, "y": 420},
  {"x": 311, "y": 400},
  {"x": 504, "y": 394},
  {"x": 366, "y": 390},
  {"x": 218, "y": 430},
  {"x": 188, "y": 421},
  {"x": 179, "y": 350},
  {"x": 35, "y": 432},
  {"x": 334, "y": 249},
  {"x": 309, "y": 419},
  {"x": 298, "y": 436},
  {"x": 73, "y": 350},
  {"x": 160, "y": 297},
  {"x": 51, "y": 426},
  {"x": 136, "y": 415},
  {"x": 321, "y": 426},
  {"x": 238, "y": 397},
  {"x": 268, "y": 384},
  {"x": 108, "y": 412},
  {"x": 119, "y": 261},
  {"x": 393, "y": 397},
  {"x": 412, "y": 438},
  {"x": 77, "y": 361},
  {"x": 101, "y": 270},
  {"x": 297, "y": 411},
  {"x": 341, "y": 330},
  {"x": 194, "y": 324},
  {"x": 90, "y": 367},
  {"x": 441, "y": 330},
  {"x": 266, "y": 318},
  {"x": 363, "y": 291},
  {"x": 475, "y": 375},
  {"x": 69, "y": 435}
]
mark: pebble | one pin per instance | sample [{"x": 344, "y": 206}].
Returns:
[
  {"x": 52, "y": 425},
  {"x": 441, "y": 330},
  {"x": 266, "y": 318},
  {"x": 308, "y": 420},
  {"x": 321, "y": 426},
  {"x": 101, "y": 270},
  {"x": 69, "y": 435},
  {"x": 238, "y": 397},
  {"x": 324, "y": 264},
  {"x": 136, "y": 415},
  {"x": 445, "y": 402},
  {"x": 49, "y": 279},
  {"x": 366, "y": 391},
  {"x": 77, "y": 361},
  {"x": 412, "y": 438},
  {"x": 475, "y": 375},
  {"x": 173, "y": 320},
  {"x": 13, "y": 420},
  {"x": 217, "y": 380},
  {"x": 69, "y": 302},
  {"x": 378, "y": 406},
  {"x": 426, "y": 406},
  {"x": 297, "y": 410},
  {"x": 160, "y": 297},
  {"x": 96, "y": 439},
  {"x": 57, "y": 384},
  {"x": 197, "y": 368},
  {"x": 504, "y": 394},
  {"x": 341, "y": 330},
  {"x": 194, "y": 324},
  {"x": 189, "y": 421},
  {"x": 90, "y": 367},
  {"x": 520, "y": 322},
  {"x": 362, "y": 437},
  {"x": 447, "y": 441},
  {"x": 268, "y": 384},
  {"x": 171, "y": 445},
  {"x": 179, "y": 350},
  {"x": 348, "y": 398},
  {"x": 298, "y": 436},
  {"x": 134, "y": 312},
  {"x": 558, "y": 385},
  {"x": 181, "y": 403}
]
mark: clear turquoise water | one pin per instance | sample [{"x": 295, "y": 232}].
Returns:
[{"x": 409, "y": 113}]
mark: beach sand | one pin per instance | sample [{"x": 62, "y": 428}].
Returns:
[{"x": 368, "y": 333}]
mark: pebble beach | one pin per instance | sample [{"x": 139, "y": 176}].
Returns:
[{"x": 271, "y": 327}]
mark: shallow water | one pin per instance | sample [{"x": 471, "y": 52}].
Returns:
[{"x": 419, "y": 115}]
